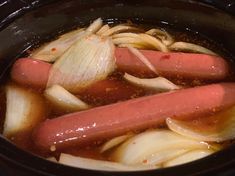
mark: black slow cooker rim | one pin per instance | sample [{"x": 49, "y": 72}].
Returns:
[
  {"x": 11, "y": 10},
  {"x": 12, "y": 154}
]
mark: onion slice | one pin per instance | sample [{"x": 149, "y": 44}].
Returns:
[
  {"x": 63, "y": 99},
  {"x": 125, "y": 34},
  {"x": 184, "y": 46},
  {"x": 165, "y": 37},
  {"x": 129, "y": 38},
  {"x": 188, "y": 157},
  {"x": 92, "y": 164},
  {"x": 134, "y": 45},
  {"x": 24, "y": 110},
  {"x": 114, "y": 142},
  {"x": 103, "y": 29},
  {"x": 53, "y": 159},
  {"x": 142, "y": 58},
  {"x": 51, "y": 51},
  {"x": 140, "y": 147},
  {"x": 160, "y": 157},
  {"x": 141, "y": 39},
  {"x": 95, "y": 26},
  {"x": 223, "y": 130},
  {"x": 153, "y": 41},
  {"x": 89, "y": 60},
  {"x": 159, "y": 84},
  {"x": 118, "y": 29}
]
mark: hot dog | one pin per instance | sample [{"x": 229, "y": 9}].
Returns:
[
  {"x": 30, "y": 72},
  {"x": 35, "y": 73},
  {"x": 186, "y": 65},
  {"x": 104, "y": 122}
]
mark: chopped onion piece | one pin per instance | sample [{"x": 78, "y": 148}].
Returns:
[
  {"x": 163, "y": 156},
  {"x": 224, "y": 130},
  {"x": 188, "y": 157},
  {"x": 52, "y": 159},
  {"x": 103, "y": 29},
  {"x": 119, "y": 28},
  {"x": 142, "y": 39},
  {"x": 89, "y": 60},
  {"x": 125, "y": 34},
  {"x": 92, "y": 164},
  {"x": 142, "y": 146},
  {"x": 159, "y": 84},
  {"x": 129, "y": 40},
  {"x": 156, "y": 43},
  {"x": 51, "y": 51},
  {"x": 142, "y": 58},
  {"x": 134, "y": 45},
  {"x": 24, "y": 110},
  {"x": 95, "y": 26},
  {"x": 114, "y": 142},
  {"x": 184, "y": 46},
  {"x": 163, "y": 35},
  {"x": 61, "y": 98}
]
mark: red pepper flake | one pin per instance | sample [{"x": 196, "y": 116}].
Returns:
[
  {"x": 145, "y": 161},
  {"x": 53, "y": 49},
  {"x": 166, "y": 57}
]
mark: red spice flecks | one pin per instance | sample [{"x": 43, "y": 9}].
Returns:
[
  {"x": 167, "y": 56},
  {"x": 53, "y": 49},
  {"x": 145, "y": 161}
]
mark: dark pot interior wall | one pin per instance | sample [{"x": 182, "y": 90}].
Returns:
[
  {"x": 11, "y": 9},
  {"x": 42, "y": 24}
]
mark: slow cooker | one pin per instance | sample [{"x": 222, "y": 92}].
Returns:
[{"x": 28, "y": 23}]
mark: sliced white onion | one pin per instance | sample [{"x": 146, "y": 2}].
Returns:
[
  {"x": 160, "y": 157},
  {"x": 223, "y": 130},
  {"x": 142, "y": 39},
  {"x": 159, "y": 84},
  {"x": 95, "y": 26},
  {"x": 90, "y": 59},
  {"x": 52, "y": 159},
  {"x": 114, "y": 142},
  {"x": 129, "y": 40},
  {"x": 119, "y": 28},
  {"x": 156, "y": 43},
  {"x": 63, "y": 99},
  {"x": 24, "y": 110},
  {"x": 103, "y": 29},
  {"x": 142, "y": 58},
  {"x": 92, "y": 164},
  {"x": 184, "y": 46},
  {"x": 51, "y": 51},
  {"x": 166, "y": 38},
  {"x": 134, "y": 45},
  {"x": 142, "y": 146},
  {"x": 188, "y": 157},
  {"x": 125, "y": 34}
]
